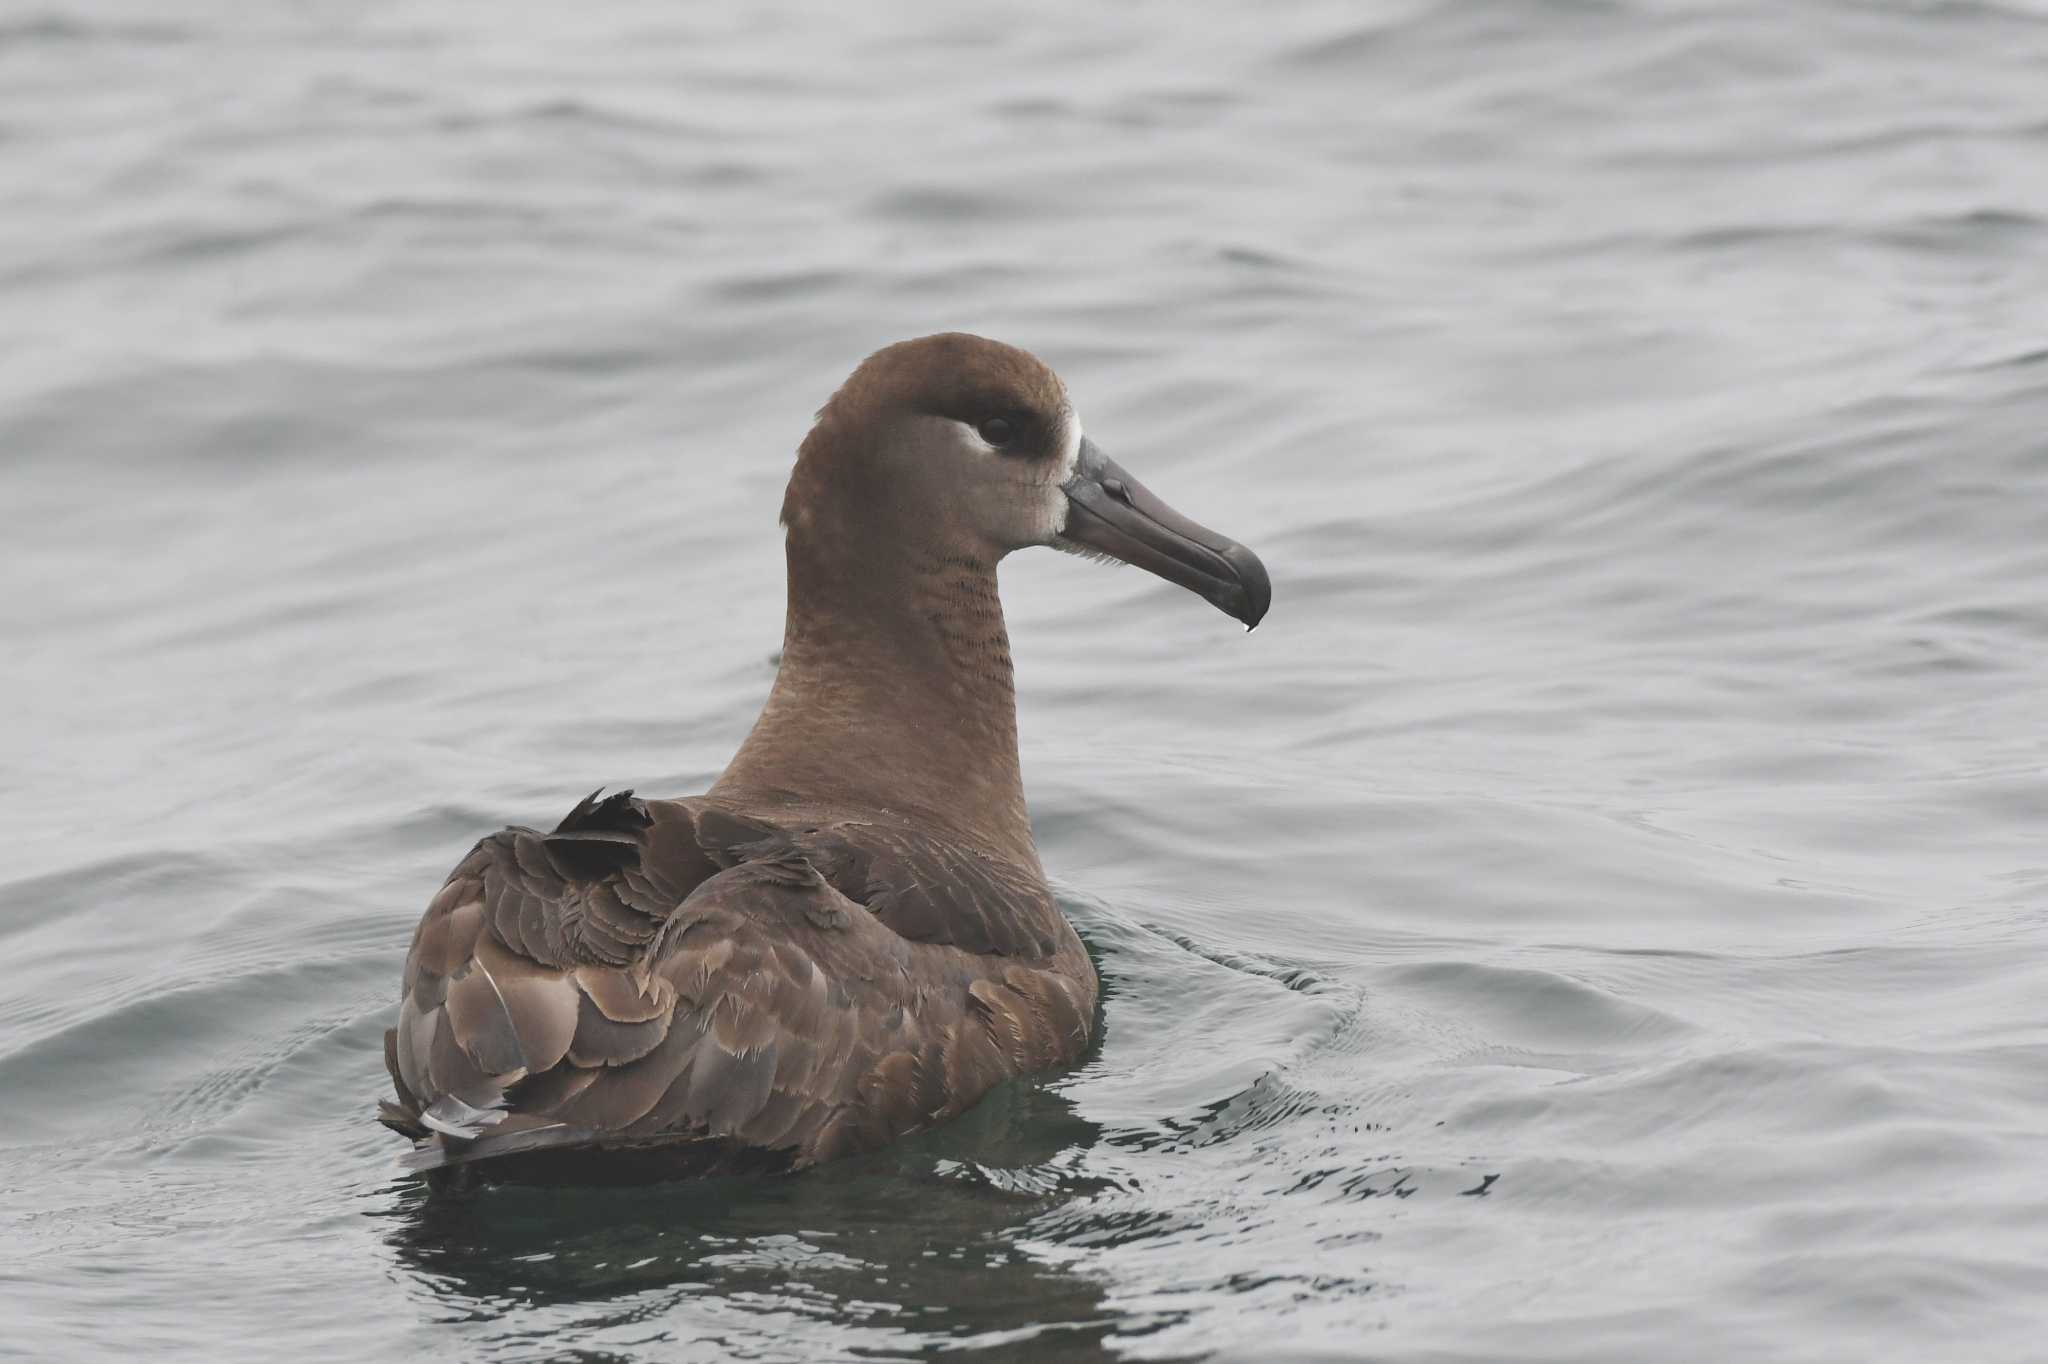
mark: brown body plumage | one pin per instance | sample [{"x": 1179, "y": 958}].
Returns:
[{"x": 849, "y": 937}]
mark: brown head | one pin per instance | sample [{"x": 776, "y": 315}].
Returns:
[{"x": 964, "y": 448}]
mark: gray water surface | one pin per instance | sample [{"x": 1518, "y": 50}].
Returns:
[{"x": 1602, "y": 915}]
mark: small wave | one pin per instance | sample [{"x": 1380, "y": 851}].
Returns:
[{"x": 1539, "y": 1010}]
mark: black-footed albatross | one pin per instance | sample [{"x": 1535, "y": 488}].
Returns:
[{"x": 849, "y": 937}]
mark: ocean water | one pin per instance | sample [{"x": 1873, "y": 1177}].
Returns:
[{"x": 1601, "y": 915}]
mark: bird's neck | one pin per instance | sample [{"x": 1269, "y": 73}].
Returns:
[{"x": 895, "y": 693}]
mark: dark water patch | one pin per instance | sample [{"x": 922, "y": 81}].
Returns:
[
  {"x": 932, "y": 203},
  {"x": 809, "y": 285},
  {"x": 912, "y": 1272},
  {"x": 1439, "y": 28},
  {"x": 58, "y": 29},
  {"x": 1976, "y": 231}
]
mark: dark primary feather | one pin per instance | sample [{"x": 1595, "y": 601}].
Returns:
[{"x": 712, "y": 990}]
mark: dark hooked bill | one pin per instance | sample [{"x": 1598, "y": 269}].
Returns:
[{"x": 1110, "y": 511}]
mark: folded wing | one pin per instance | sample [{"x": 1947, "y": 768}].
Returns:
[{"x": 681, "y": 990}]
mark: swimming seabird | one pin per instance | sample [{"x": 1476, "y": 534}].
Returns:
[{"x": 849, "y": 937}]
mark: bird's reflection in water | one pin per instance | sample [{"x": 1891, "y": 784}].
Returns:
[{"x": 912, "y": 1248}]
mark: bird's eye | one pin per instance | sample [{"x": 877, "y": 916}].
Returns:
[{"x": 998, "y": 430}]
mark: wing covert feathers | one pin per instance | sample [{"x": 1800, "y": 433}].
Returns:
[{"x": 673, "y": 987}]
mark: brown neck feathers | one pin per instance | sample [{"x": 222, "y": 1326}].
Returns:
[{"x": 896, "y": 691}]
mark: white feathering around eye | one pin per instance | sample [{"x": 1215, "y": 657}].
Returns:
[
  {"x": 1054, "y": 517},
  {"x": 1054, "y": 520},
  {"x": 1070, "y": 453},
  {"x": 1044, "y": 518},
  {"x": 972, "y": 436}
]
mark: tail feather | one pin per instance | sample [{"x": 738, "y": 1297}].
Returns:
[
  {"x": 403, "y": 1121},
  {"x": 439, "y": 1151}
]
